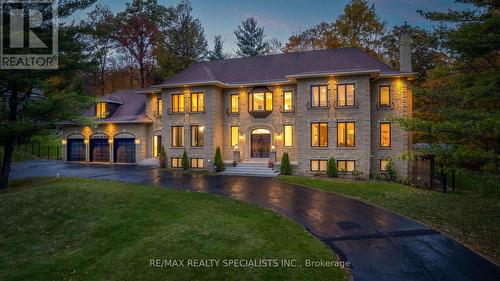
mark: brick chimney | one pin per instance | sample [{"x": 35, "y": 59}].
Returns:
[{"x": 405, "y": 49}]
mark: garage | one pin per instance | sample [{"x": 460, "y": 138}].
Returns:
[
  {"x": 99, "y": 149},
  {"x": 124, "y": 150},
  {"x": 76, "y": 149}
]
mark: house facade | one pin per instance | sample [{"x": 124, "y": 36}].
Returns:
[{"x": 313, "y": 105}]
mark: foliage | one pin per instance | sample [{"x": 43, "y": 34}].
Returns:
[
  {"x": 285, "y": 167},
  {"x": 163, "y": 157},
  {"x": 218, "y": 51},
  {"x": 391, "y": 170},
  {"x": 218, "y": 163},
  {"x": 321, "y": 36},
  {"x": 331, "y": 169},
  {"x": 250, "y": 39},
  {"x": 185, "y": 161}
]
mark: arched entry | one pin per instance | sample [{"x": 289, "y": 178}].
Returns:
[
  {"x": 99, "y": 148},
  {"x": 76, "y": 147},
  {"x": 124, "y": 148},
  {"x": 260, "y": 143}
]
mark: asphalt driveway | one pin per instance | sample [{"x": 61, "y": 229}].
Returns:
[{"x": 379, "y": 244}]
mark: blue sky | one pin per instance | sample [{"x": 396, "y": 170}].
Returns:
[{"x": 282, "y": 18}]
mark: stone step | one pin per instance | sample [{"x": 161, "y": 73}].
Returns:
[{"x": 247, "y": 173}]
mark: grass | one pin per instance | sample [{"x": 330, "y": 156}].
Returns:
[
  {"x": 465, "y": 214},
  {"x": 82, "y": 229}
]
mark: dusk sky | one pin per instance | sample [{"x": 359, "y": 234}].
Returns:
[{"x": 282, "y": 18}]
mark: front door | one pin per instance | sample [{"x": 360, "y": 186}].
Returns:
[{"x": 261, "y": 144}]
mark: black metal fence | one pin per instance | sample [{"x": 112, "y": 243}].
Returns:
[{"x": 41, "y": 151}]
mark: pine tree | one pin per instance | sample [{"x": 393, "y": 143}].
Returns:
[
  {"x": 331, "y": 169},
  {"x": 218, "y": 163},
  {"x": 185, "y": 161},
  {"x": 250, "y": 39},
  {"x": 217, "y": 53},
  {"x": 163, "y": 157},
  {"x": 285, "y": 167}
]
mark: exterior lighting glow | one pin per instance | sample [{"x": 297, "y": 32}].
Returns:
[
  {"x": 236, "y": 147},
  {"x": 110, "y": 141},
  {"x": 63, "y": 142},
  {"x": 85, "y": 141},
  {"x": 272, "y": 147},
  {"x": 137, "y": 141}
]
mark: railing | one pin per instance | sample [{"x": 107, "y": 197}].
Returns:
[{"x": 35, "y": 150}]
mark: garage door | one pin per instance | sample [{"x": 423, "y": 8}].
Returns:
[
  {"x": 99, "y": 150},
  {"x": 76, "y": 150},
  {"x": 124, "y": 151}
]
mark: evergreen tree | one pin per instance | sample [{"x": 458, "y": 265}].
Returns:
[
  {"x": 185, "y": 161},
  {"x": 331, "y": 169},
  {"x": 217, "y": 53},
  {"x": 392, "y": 173},
  {"x": 250, "y": 39},
  {"x": 163, "y": 157},
  {"x": 218, "y": 163},
  {"x": 285, "y": 167}
]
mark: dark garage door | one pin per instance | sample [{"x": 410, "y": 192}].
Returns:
[
  {"x": 124, "y": 150},
  {"x": 76, "y": 150},
  {"x": 99, "y": 150}
]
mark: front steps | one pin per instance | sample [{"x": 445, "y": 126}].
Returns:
[
  {"x": 249, "y": 168},
  {"x": 149, "y": 162}
]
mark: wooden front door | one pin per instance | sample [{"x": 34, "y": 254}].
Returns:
[{"x": 261, "y": 144}]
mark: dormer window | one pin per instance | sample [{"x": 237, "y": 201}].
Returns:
[
  {"x": 100, "y": 110},
  {"x": 260, "y": 103}
]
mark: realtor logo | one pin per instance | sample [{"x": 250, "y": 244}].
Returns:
[{"x": 28, "y": 34}]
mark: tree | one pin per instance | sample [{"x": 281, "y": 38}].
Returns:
[
  {"x": 285, "y": 167},
  {"x": 218, "y": 163},
  {"x": 331, "y": 169},
  {"x": 21, "y": 114},
  {"x": 392, "y": 173},
  {"x": 217, "y": 53},
  {"x": 321, "y": 36},
  {"x": 274, "y": 46},
  {"x": 185, "y": 161},
  {"x": 163, "y": 157},
  {"x": 250, "y": 39}
]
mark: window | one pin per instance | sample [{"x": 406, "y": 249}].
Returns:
[
  {"x": 177, "y": 136},
  {"x": 319, "y": 134},
  {"x": 159, "y": 107},
  {"x": 345, "y": 166},
  {"x": 197, "y": 135},
  {"x": 261, "y": 101},
  {"x": 319, "y": 96},
  {"x": 287, "y": 101},
  {"x": 197, "y": 102},
  {"x": 235, "y": 103},
  {"x": 288, "y": 136},
  {"x": 100, "y": 110},
  {"x": 383, "y": 164},
  {"x": 318, "y": 165},
  {"x": 178, "y": 103},
  {"x": 345, "y": 134},
  {"x": 384, "y": 99},
  {"x": 234, "y": 136},
  {"x": 345, "y": 95},
  {"x": 176, "y": 162},
  {"x": 385, "y": 134},
  {"x": 197, "y": 163},
  {"x": 156, "y": 146}
]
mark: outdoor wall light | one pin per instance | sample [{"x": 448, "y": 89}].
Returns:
[
  {"x": 273, "y": 147},
  {"x": 236, "y": 147},
  {"x": 63, "y": 142},
  {"x": 137, "y": 141},
  {"x": 85, "y": 141},
  {"x": 110, "y": 141}
]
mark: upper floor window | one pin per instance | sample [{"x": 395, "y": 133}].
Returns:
[
  {"x": 319, "y": 96},
  {"x": 288, "y": 136},
  {"x": 178, "y": 103},
  {"x": 235, "y": 103},
  {"x": 385, "y": 134},
  {"x": 177, "y": 136},
  {"x": 197, "y": 135},
  {"x": 261, "y": 101},
  {"x": 384, "y": 99},
  {"x": 345, "y": 95},
  {"x": 287, "y": 101},
  {"x": 234, "y": 136},
  {"x": 345, "y": 134},
  {"x": 100, "y": 110},
  {"x": 197, "y": 102},
  {"x": 159, "y": 107},
  {"x": 319, "y": 134}
]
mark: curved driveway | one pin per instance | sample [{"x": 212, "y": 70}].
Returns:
[{"x": 380, "y": 245}]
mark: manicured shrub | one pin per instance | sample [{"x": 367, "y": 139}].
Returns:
[
  {"x": 185, "y": 161},
  {"x": 331, "y": 169},
  {"x": 218, "y": 163},
  {"x": 391, "y": 171},
  {"x": 163, "y": 157},
  {"x": 285, "y": 167}
]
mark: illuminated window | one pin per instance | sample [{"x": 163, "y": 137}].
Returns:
[
  {"x": 178, "y": 103},
  {"x": 345, "y": 166},
  {"x": 385, "y": 134},
  {"x": 197, "y": 102},
  {"x": 318, "y": 165},
  {"x": 288, "y": 136},
  {"x": 384, "y": 96},
  {"x": 197, "y": 135},
  {"x": 345, "y": 95},
  {"x": 346, "y": 134},
  {"x": 159, "y": 107},
  {"x": 176, "y": 162},
  {"x": 261, "y": 101},
  {"x": 319, "y": 96},
  {"x": 177, "y": 136},
  {"x": 383, "y": 164},
  {"x": 235, "y": 103},
  {"x": 287, "y": 101},
  {"x": 234, "y": 135},
  {"x": 319, "y": 134},
  {"x": 100, "y": 110},
  {"x": 156, "y": 146},
  {"x": 197, "y": 163}
]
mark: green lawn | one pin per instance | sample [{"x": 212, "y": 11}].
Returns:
[
  {"x": 82, "y": 229},
  {"x": 464, "y": 215}
]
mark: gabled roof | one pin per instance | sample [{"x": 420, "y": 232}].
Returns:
[{"x": 281, "y": 68}]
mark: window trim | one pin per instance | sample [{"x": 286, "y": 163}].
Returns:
[
  {"x": 197, "y": 95},
  {"x": 319, "y": 165},
  {"x": 197, "y": 132},
  {"x": 380, "y": 165},
  {"x": 179, "y": 109},
  {"x": 346, "y": 172},
  {"x": 231, "y": 135},
  {"x": 197, "y": 166},
  {"x": 231, "y": 103},
  {"x": 101, "y": 114},
  {"x": 345, "y": 97},
  {"x": 380, "y": 134},
  {"x": 319, "y": 134},
  {"x": 172, "y": 136},
  {"x": 284, "y": 135},
  {"x": 159, "y": 107},
  {"x": 319, "y": 91},
  {"x": 251, "y": 104},
  {"x": 380, "y": 96},
  {"x": 179, "y": 160},
  {"x": 346, "y": 134},
  {"x": 283, "y": 101}
]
